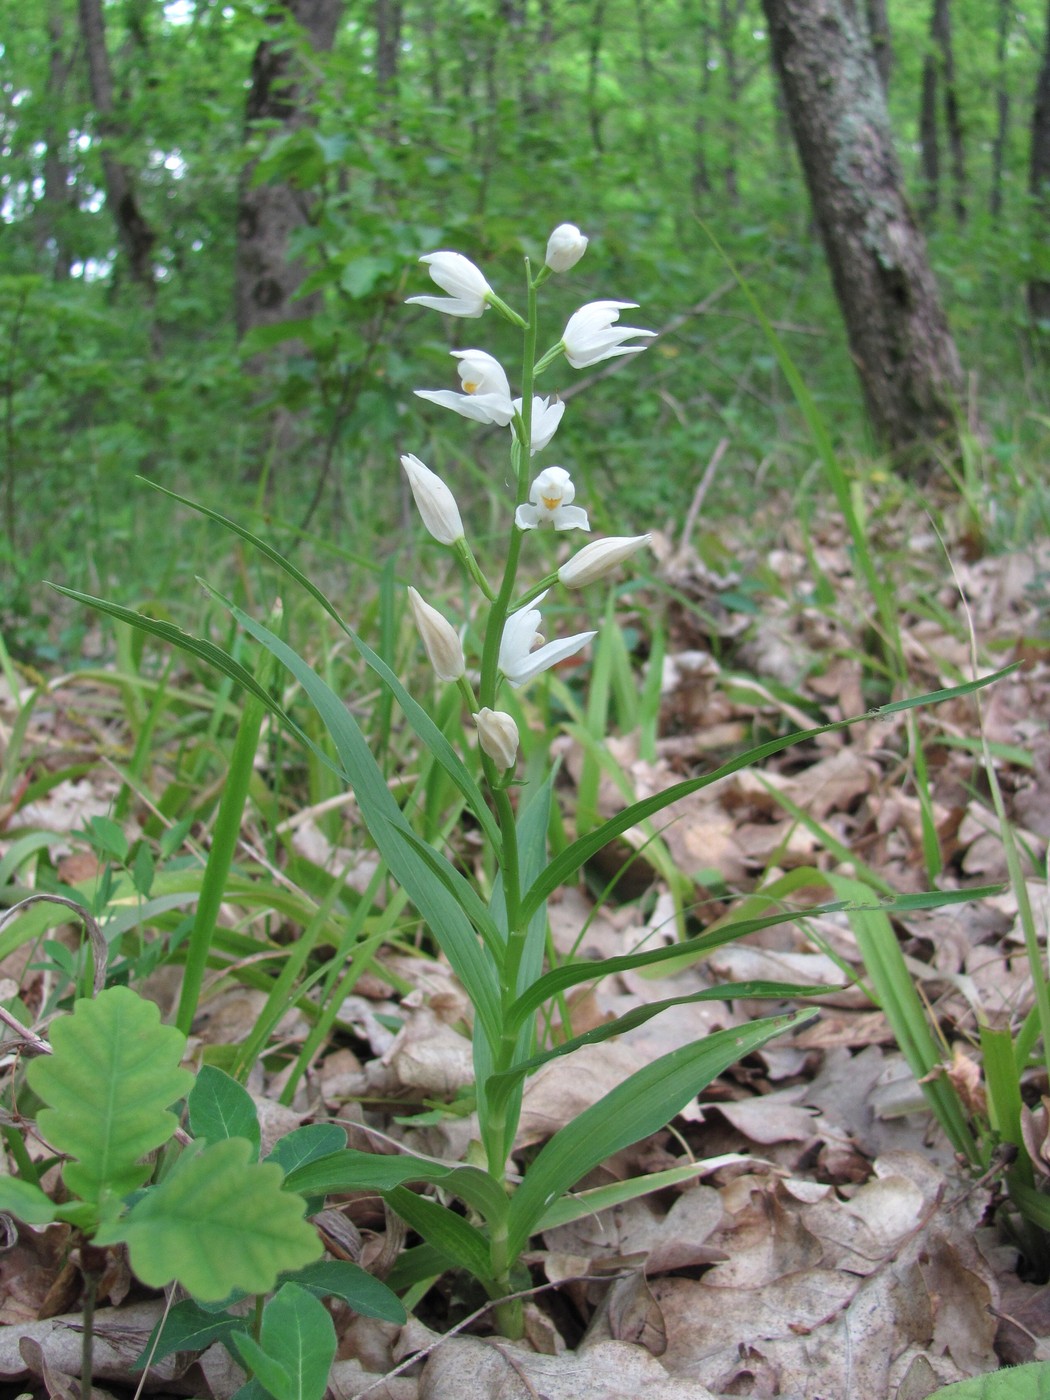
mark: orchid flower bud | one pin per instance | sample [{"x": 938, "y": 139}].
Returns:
[
  {"x": 440, "y": 639},
  {"x": 498, "y": 737},
  {"x": 565, "y": 247},
  {"x": 436, "y": 503},
  {"x": 599, "y": 558}
]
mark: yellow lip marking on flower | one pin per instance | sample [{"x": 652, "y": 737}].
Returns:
[
  {"x": 551, "y": 502},
  {"x": 470, "y": 387}
]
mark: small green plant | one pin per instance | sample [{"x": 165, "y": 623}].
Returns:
[
  {"x": 496, "y": 942},
  {"x": 215, "y": 1219}
]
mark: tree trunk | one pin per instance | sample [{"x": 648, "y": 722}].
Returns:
[
  {"x": 929, "y": 145},
  {"x": 881, "y": 39},
  {"x": 899, "y": 338},
  {"x": 1039, "y": 180},
  {"x": 942, "y": 35},
  {"x": 1002, "y": 107},
  {"x": 133, "y": 229},
  {"x": 265, "y": 280},
  {"x": 58, "y": 201}
]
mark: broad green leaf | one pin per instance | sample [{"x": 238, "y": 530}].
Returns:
[
  {"x": 642, "y": 1105},
  {"x": 114, "y": 1072},
  {"x": 566, "y": 864},
  {"x": 188, "y": 1327},
  {"x": 338, "y": 1278},
  {"x": 297, "y": 1345},
  {"x": 1031, "y": 1382},
  {"x": 25, "y": 1201},
  {"x": 462, "y": 1245},
  {"x": 307, "y": 1144},
  {"x": 217, "y": 1222},
  {"x": 221, "y": 1108},
  {"x": 445, "y": 918},
  {"x": 460, "y": 888},
  {"x": 350, "y": 1170},
  {"x": 499, "y": 1085}
]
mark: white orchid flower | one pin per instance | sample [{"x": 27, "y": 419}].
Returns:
[
  {"x": 590, "y": 335},
  {"x": 498, "y": 737},
  {"x": 440, "y": 639},
  {"x": 545, "y": 419},
  {"x": 486, "y": 392},
  {"x": 435, "y": 502},
  {"x": 599, "y": 558},
  {"x": 465, "y": 283},
  {"x": 552, "y": 494},
  {"x": 565, "y": 247},
  {"x": 517, "y": 660}
]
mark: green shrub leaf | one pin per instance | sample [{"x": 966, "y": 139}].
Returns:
[
  {"x": 296, "y": 1346},
  {"x": 221, "y": 1108},
  {"x": 218, "y": 1222},
  {"x": 189, "y": 1327},
  {"x": 25, "y": 1201},
  {"x": 1031, "y": 1382},
  {"x": 108, "y": 1085},
  {"x": 338, "y": 1278}
]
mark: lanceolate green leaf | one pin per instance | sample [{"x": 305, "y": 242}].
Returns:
[
  {"x": 296, "y": 1348},
  {"x": 631, "y": 1111},
  {"x": 421, "y": 722},
  {"x": 565, "y": 865},
  {"x": 114, "y": 1072},
  {"x": 501, "y": 1084},
  {"x": 338, "y": 1278},
  {"x": 445, "y": 918},
  {"x": 217, "y": 1222},
  {"x": 559, "y": 979},
  {"x": 350, "y": 1170},
  {"x": 460, "y": 1243}
]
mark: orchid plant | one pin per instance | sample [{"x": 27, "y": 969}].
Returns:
[{"x": 497, "y": 946}]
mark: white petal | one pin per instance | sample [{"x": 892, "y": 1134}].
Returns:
[
  {"x": 571, "y": 518},
  {"x": 526, "y": 517},
  {"x": 451, "y": 306},
  {"x": 546, "y": 657}
]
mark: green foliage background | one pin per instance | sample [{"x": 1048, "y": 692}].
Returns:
[{"x": 632, "y": 118}]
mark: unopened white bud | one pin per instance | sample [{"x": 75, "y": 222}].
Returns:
[
  {"x": 498, "y": 737},
  {"x": 596, "y": 560},
  {"x": 565, "y": 247},
  {"x": 440, "y": 639},
  {"x": 436, "y": 503}
]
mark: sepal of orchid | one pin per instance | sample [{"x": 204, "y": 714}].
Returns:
[
  {"x": 468, "y": 291},
  {"x": 440, "y": 639},
  {"x": 546, "y": 417},
  {"x": 550, "y": 500},
  {"x": 498, "y": 737},
  {"x": 434, "y": 501},
  {"x": 565, "y": 247},
  {"x": 517, "y": 659},
  {"x": 591, "y": 335},
  {"x": 599, "y": 558}
]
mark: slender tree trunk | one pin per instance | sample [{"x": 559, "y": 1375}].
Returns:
[
  {"x": 386, "y": 15},
  {"x": 899, "y": 338},
  {"x": 929, "y": 144},
  {"x": 728, "y": 20},
  {"x": 942, "y": 34},
  {"x": 58, "y": 201},
  {"x": 136, "y": 235},
  {"x": 1039, "y": 180},
  {"x": 1002, "y": 108},
  {"x": 881, "y": 39},
  {"x": 594, "y": 60},
  {"x": 265, "y": 280},
  {"x": 701, "y": 170}
]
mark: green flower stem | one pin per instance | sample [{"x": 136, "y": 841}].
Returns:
[
  {"x": 534, "y": 592},
  {"x": 473, "y": 568}
]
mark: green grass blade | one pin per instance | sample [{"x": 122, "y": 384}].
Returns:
[
  {"x": 442, "y": 913},
  {"x": 565, "y": 865}
]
